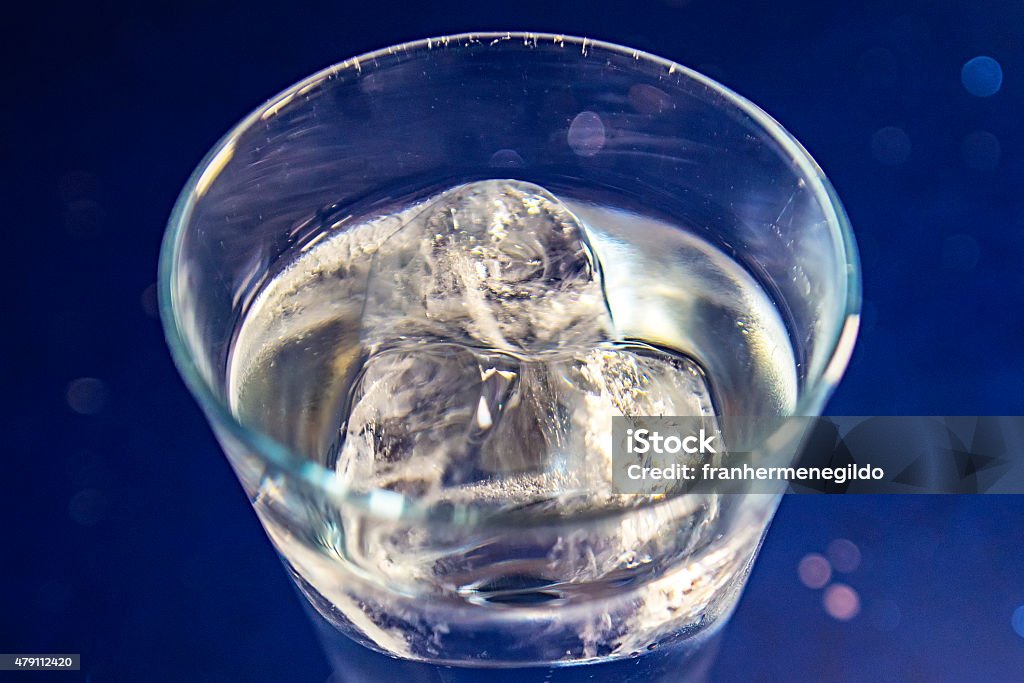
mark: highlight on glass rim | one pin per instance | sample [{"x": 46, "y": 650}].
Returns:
[{"x": 621, "y": 353}]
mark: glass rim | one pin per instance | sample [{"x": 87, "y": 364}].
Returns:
[{"x": 392, "y": 505}]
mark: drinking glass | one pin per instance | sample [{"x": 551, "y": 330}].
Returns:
[{"x": 718, "y": 239}]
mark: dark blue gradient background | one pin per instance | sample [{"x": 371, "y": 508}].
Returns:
[{"x": 125, "y": 535}]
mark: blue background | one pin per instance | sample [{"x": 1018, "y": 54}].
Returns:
[{"x": 125, "y": 535}]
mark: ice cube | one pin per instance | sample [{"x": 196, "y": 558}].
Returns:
[
  {"x": 419, "y": 415},
  {"x": 516, "y": 438},
  {"x": 625, "y": 379},
  {"x": 440, "y": 421},
  {"x": 497, "y": 263}
]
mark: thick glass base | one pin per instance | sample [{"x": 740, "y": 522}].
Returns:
[{"x": 687, "y": 661}]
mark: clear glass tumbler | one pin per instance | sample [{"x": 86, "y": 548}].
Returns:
[{"x": 410, "y": 291}]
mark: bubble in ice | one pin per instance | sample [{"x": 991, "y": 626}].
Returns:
[{"x": 499, "y": 264}]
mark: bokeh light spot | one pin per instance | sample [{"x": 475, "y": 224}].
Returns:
[
  {"x": 844, "y": 555},
  {"x": 88, "y": 507},
  {"x": 586, "y": 134},
  {"x": 890, "y": 145},
  {"x": 1017, "y": 621},
  {"x": 982, "y": 76},
  {"x": 84, "y": 218},
  {"x": 148, "y": 301},
  {"x": 841, "y": 602},
  {"x": 814, "y": 570},
  {"x": 648, "y": 99},
  {"x": 506, "y": 158},
  {"x": 981, "y": 150},
  {"x": 86, "y": 395},
  {"x": 78, "y": 185}
]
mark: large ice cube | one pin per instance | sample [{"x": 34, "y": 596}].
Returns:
[
  {"x": 618, "y": 380},
  {"x": 419, "y": 415},
  {"x": 445, "y": 422},
  {"x": 496, "y": 263},
  {"x": 492, "y": 357}
]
